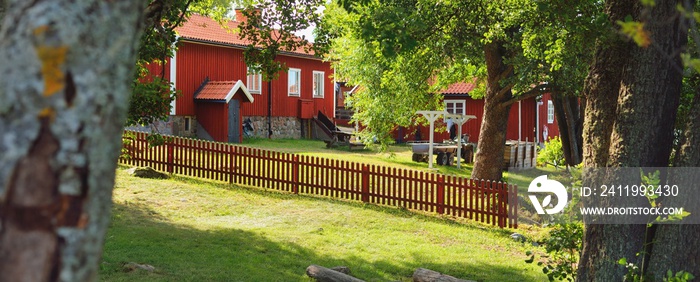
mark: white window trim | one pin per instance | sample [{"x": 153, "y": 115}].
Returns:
[
  {"x": 249, "y": 85},
  {"x": 323, "y": 84},
  {"x": 550, "y": 111},
  {"x": 292, "y": 94},
  {"x": 464, "y": 105}
]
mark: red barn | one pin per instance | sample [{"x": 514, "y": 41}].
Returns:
[{"x": 209, "y": 52}]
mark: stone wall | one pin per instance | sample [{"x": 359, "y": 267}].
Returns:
[
  {"x": 174, "y": 125},
  {"x": 282, "y": 127}
]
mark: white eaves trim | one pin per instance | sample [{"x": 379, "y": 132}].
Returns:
[{"x": 239, "y": 86}]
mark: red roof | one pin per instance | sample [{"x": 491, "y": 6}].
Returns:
[
  {"x": 459, "y": 88},
  {"x": 201, "y": 28},
  {"x": 222, "y": 91}
]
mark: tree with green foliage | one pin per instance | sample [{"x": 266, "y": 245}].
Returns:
[{"x": 401, "y": 52}]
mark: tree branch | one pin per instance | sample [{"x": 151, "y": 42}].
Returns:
[
  {"x": 504, "y": 90},
  {"x": 505, "y": 73},
  {"x": 534, "y": 92}
]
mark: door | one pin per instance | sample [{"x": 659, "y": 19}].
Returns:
[{"x": 234, "y": 121}]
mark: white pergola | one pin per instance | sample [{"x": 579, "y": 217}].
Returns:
[
  {"x": 432, "y": 116},
  {"x": 459, "y": 120}
]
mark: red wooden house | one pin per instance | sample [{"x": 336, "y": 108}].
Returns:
[
  {"x": 527, "y": 120},
  {"x": 209, "y": 55},
  {"x": 521, "y": 120}
]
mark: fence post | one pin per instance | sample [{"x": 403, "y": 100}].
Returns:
[
  {"x": 441, "y": 194},
  {"x": 503, "y": 194},
  {"x": 231, "y": 163},
  {"x": 513, "y": 206},
  {"x": 171, "y": 161},
  {"x": 365, "y": 183},
  {"x": 295, "y": 174}
]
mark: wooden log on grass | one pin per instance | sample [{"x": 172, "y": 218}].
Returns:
[
  {"x": 427, "y": 275},
  {"x": 322, "y": 274}
]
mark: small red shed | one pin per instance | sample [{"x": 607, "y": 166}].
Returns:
[{"x": 218, "y": 108}]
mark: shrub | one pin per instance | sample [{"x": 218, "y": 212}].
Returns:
[
  {"x": 552, "y": 153},
  {"x": 563, "y": 249}
]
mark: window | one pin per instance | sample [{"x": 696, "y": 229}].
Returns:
[
  {"x": 455, "y": 107},
  {"x": 254, "y": 82},
  {"x": 318, "y": 84},
  {"x": 550, "y": 112},
  {"x": 188, "y": 125},
  {"x": 294, "y": 82}
]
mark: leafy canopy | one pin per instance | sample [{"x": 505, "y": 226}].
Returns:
[{"x": 401, "y": 52}]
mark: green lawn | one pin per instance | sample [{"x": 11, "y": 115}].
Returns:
[
  {"x": 195, "y": 230},
  {"x": 398, "y": 156}
]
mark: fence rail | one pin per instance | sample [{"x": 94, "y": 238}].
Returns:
[{"x": 485, "y": 201}]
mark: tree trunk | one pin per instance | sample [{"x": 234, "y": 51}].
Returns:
[
  {"x": 570, "y": 120},
  {"x": 427, "y": 275},
  {"x": 488, "y": 161},
  {"x": 638, "y": 132},
  {"x": 677, "y": 246},
  {"x": 601, "y": 90},
  {"x": 64, "y": 82},
  {"x": 322, "y": 274}
]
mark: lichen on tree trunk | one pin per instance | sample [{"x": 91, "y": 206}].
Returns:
[{"x": 64, "y": 83}]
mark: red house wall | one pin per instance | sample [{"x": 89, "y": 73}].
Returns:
[
  {"x": 527, "y": 121},
  {"x": 214, "y": 118},
  {"x": 553, "y": 127},
  {"x": 157, "y": 69},
  {"x": 286, "y": 106},
  {"x": 196, "y": 61}
]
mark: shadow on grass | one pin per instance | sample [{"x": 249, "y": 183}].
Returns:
[{"x": 182, "y": 253}]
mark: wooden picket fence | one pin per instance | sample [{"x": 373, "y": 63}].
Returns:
[{"x": 491, "y": 202}]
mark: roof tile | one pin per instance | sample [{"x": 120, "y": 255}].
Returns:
[
  {"x": 202, "y": 28},
  {"x": 215, "y": 90},
  {"x": 459, "y": 88}
]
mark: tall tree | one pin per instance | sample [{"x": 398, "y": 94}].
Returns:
[
  {"x": 632, "y": 95},
  {"x": 65, "y": 83},
  {"x": 396, "y": 49}
]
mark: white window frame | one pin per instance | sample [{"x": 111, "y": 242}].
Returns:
[
  {"x": 455, "y": 102},
  {"x": 319, "y": 92},
  {"x": 550, "y": 111},
  {"x": 298, "y": 82},
  {"x": 251, "y": 86}
]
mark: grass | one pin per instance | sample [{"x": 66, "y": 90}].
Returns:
[
  {"x": 196, "y": 230},
  {"x": 398, "y": 156}
]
